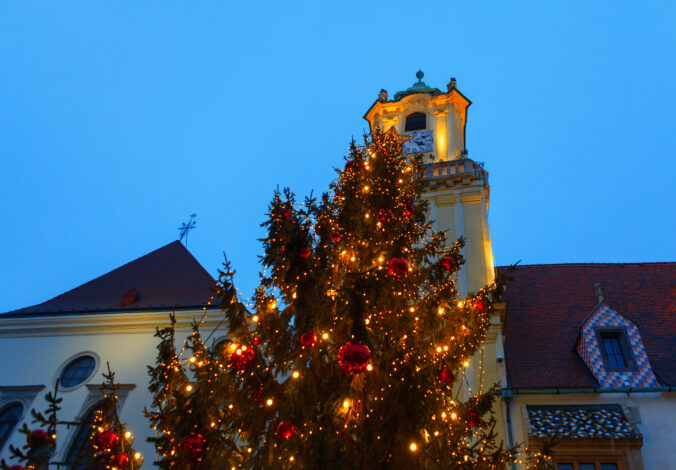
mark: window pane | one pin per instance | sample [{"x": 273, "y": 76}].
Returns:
[
  {"x": 564, "y": 466},
  {"x": 9, "y": 418},
  {"x": 608, "y": 466},
  {"x": 611, "y": 343},
  {"x": 415, "y": 121},
  {"x": 79, "y": 454},
  {"x": 77, "y": 371},
  {"x": 587, "y": 466}
]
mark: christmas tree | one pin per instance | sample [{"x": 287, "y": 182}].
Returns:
[
  {"x": 110, "y": 443},
  {"x": 352, "y": 353}
]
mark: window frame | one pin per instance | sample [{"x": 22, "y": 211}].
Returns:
[
  {"x": 67, "y": 362},
  {"x": 596, "y": 460},
  {"x": 625, "y": 348},
  {"x": 4, "y": 408},
  {"x": 424, "y": 114}
]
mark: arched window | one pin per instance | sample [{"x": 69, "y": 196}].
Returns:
[
  {"x": 9, "y": 418},
  {"x": 77, "y": 371},
  {"x": 415, "y": 122},
  {"x": 79, "y": 453}
]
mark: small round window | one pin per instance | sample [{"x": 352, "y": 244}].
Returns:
[{"x": 77, "y": 371}]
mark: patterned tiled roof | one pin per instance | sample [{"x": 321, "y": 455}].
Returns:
[
  {"x": 580, "y": 422},
  {"x": 547, "y": 304}
]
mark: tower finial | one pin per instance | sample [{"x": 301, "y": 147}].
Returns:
[
  {"x": 419, "y": 75},
  {"x": 599, "y": 291}
]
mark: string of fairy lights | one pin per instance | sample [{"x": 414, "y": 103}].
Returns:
[{"x": 353, "y": 286}]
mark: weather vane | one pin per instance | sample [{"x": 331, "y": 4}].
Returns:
[{"x": 187, "y": 227}]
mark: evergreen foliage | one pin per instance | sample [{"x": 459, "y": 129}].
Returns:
[{"x": 355, "y": 349}]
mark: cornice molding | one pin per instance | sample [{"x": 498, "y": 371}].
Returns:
[{"x": 102, "y": 323}]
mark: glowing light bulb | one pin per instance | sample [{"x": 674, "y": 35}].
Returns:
[
  {"x": 188, "y": 388},
  {"x": 369, "y": 367},
  {"x": 233, "y": 346},
  {"x": 325, "y": 336},
  {"x": 254, "y": 319},
  {"x": 346, "y": 403},
  {"x": 269, "y": 402},
  {"x": 413, "y": 447},
  {"x": 192, "y": 359},
  {"x": 295, "y": 374},
  {"x": 127, "y": 434}
]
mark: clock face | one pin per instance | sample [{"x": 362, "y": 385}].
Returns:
[{"x": 422, "y": 141}]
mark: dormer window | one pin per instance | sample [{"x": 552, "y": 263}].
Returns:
[
  {"x": 415, "y": 122},
  {"x": 615, "y": 350}
]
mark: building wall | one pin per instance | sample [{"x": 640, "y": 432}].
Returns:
[
  {"x": 36, "y": 348},
  {"x": 653, "y": 413}
]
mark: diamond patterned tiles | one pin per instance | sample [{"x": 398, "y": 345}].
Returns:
[
  {"x": 580, "y": 422},
  {"x": 590, "y": 351}
]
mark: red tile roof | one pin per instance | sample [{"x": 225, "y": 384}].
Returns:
[
  {"x": 546, "y": 305},
  {"x": 169, "y": 277}
]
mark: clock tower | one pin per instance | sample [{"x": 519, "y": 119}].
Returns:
[
  {"x": 456, "y": 186},
  {"x": 457, "y": 190}
]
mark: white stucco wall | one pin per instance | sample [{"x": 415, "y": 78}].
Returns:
[{"x": 34, "y": 349}]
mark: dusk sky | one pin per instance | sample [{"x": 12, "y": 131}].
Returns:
[{"x": 120, "y": 119}]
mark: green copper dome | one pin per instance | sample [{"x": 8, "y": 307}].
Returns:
[{"x": 418, "y": 87}]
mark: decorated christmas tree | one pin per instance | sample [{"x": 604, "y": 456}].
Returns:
[
  {"x": 110, "y": 443},
  {"x": 353, "y": 350}
]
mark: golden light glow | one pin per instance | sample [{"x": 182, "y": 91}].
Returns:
[
  {"x": 254, "y": 319},
  {"x": 188, "y": 388},
  {"x": 413, "y": 447},
  {"x": 346, "y": 403},
  {"x": 233, "y": 346},
  {"x": 325, "y": 336},
  {"x": 269, "y": 402},
  {"x": 369, "y": 367},
  {"x": 295, "y": 374},
  {"x": 192, "y": 359}
]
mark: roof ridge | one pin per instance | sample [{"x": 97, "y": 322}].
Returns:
[{"x": 620, "y": 263}]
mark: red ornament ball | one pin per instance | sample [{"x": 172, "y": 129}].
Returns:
[
  {"x": 408, "y": 209},
  {"x": 397, "y": 267},
  {"x": 193, "y": 445},
  {"x": 308, "y": 339},
  {"x": 304, "y": 252},
  {"x": 286, "y": 430},
  {"x": 17, "y": 467},
  {"x": 446, "y": 376},
  {"x": 353, "y": 166},
  {"x": 474, "y": 420},
  {"x": 480, "y": 305},
  {"x": 354, "y": 357},
  {"x": 106, "y": 440},
  {"x": 286, "y": 212},
  {"x": 242, "y": 358},
  {"x": 37, "y": 438},
  {"x": 256, "y": 341},
  {"x": 120, "y": 461},
  {"x": 449, "y": 263},
  {"x": 384, "y": 215},
  {"x": 335, "y": 237}
]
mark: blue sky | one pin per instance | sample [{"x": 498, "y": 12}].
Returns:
[{"x": 120, "y": 119}]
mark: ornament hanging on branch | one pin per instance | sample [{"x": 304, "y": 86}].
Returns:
[
  {"x": 256, "y": 341},
  {"x": 106, "y": 440},
  {"x": 397, "y": 267},
  {"x": 354, "y": 357},
  {"x": 242, "y": 358},
  {"x": 408, "y": 209},
  {"x": 286, "y": 212},
  {"x": 17, "y": 467},
  {"x": 308, "y": 339},
  {"x": 480, "y": 305},
  {"x": 286, "y": 430},
  {"x": 193, "y": 446},
  {"x": 37, "y": 438},
  {"x": 304, "y": 253},
  {"x": 384, "y": 215},
  {"x": 449, "y": 263},
  {"x": 353, "y": 166},
  {"x": 335, "y": 237},
  {"x": 473, "y": 420},
  {"x": 120, "y": 461},
  {"x": 446, "y": 376}
]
